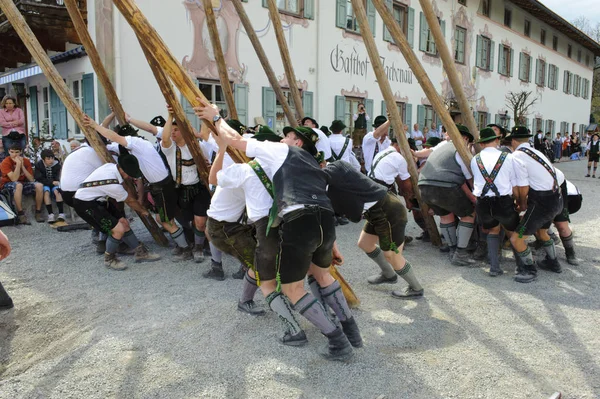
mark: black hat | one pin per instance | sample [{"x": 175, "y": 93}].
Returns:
[
  {"x": 519, "y": 132},
  {"x": 487, "y": 134},
  {"x": 464, "y": 131},
  {"x": 308, "y": 118},
  {"x": 502, "y": 129},
  {"x": 126, "y": 130},
  {"x": 266, "y": 134},
  {"x": 237, "y": 126},
  {"x": 158, "y": 121},
  {"x": 432, "y": 142},
  {"x": 130, "y": 165},
  {"x": 337, "y": 126},
  {"x": 325, "y": 130},
  {"x": 394, "y": 140},
  {"x": 307, "y": 134},
  {"x": 539, "y": 131},
  {"x": 380, "y": 120}
]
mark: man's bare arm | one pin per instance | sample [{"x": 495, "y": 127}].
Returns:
[
  {"x": 109, "y": 134},
  {"x": 381, "y": 130}
]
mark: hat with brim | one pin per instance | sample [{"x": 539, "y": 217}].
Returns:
[
  {"x": 519, "y": 132},
  {"x": 126, "y": 130},
  {"x": 380, "y": 120},
  {"x": 237, "y": 126},
  {"x": 486, "y": 135},
  {"x": 130, "y": 165},
  {"x": 337, "y": 126},
  {"x": 158, "y": 121},
  {"x": 266, "y": 134},
  {"x": 432, "y": 142},
  {"x": 464, "y": 131},
  {"x": 325, "y": 130},
  {"x": 308, "y": 118},
  {"x": 306, "y": 134},
  {"x": 502, "y": 129}
]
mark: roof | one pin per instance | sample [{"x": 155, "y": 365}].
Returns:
[
  {"x": 535, "y": 7},
  {"x": 592, "y": 127}
]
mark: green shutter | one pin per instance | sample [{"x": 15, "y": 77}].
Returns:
[
  {"x": 492, "y": 51},
  {"x": 488, "y": 119},
  {"x": 309, "y": 9},
  {"x": 386, "y": 33},
  {"x": 479, "y": 51},
  {"x": 88, "y": 95},
  {"x": 565, "y": 80},
  {"x": 340, "y": 108},
  {"x": 33, "y": 109},
  {"x": 443, "y": 27},
  {"x": 340, "y": 14},
  {"x": 371, "y": 15},
  {"x": 530, "y": 69},
  {"x": 556, "y": 71},
  {"x": 497, "y": 119},
  {"x": 383, "y": 107},
  {"x": 265, "y": 4},
  {"x": 420, "y": 116},
  {"x": 307, "y": 103},
  {"x": 510, "y": 64},
  {"x": 369, "y": 109},
  {"x": 521, "y": 67},
  {"x": 423, "y": 29},
  {"x": 538, "y": 74},
  {"x": 240, "y": 96},
  {"x": 58, "y": 116},
  {"x": 501, "y": 61},
  {"x": 408, "y": 120},
  {"x": 411, "y": 26},
  {"x": 269, "y": 105},
  {"x": 190, "y": 114},
  {"x": 571, "y": 81}
]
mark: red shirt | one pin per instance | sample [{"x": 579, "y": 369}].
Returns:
[{"x": 8, "y": 165}]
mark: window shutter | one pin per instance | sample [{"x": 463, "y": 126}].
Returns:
[
  {"x": 521, "y": 66},
  {"x": 340, "y": 108},
  {"x": 341, "y": 14},
  {"x": 369, "y": 109},
  {"x": 240, "y": 96},
  {"x": 526, "y": 122},
  {"x": 478, "y": 62},
  {"x": 492, "y": 50},
  {"x": 510, "y": 63},
  {"x": 408, "y": 120},
  {"x": 33, "y": 108},
  {"x": 423, "y": 28},
  {"x": 411, "y": 26},
  {"x": 546, "y": 72},
  {"x": 58, "y": 116},
  {"x": 488, "y": 119},
  {"x": 383, "y": 107},
  {"x": 537, "y": 71},
  {"x": 269, "y": 105},
  {"x": 530, "y": 69},
  {"x": 501, "y": 61},
  {"x": 265, "y": 4},
  {"x": 308, "y": 103},
  {"x": 309, "y": 9},
  {"x": 371, "y": 15},
  {"x": 386, "y": 33},
  {"x": 497, "y": 119},
  {"x": 476, "y": 117},
  {"x": 420, "y": 116},
  {"x": 190, "y": 114},
  {"x": 88, "y": 95},
  {"x": 571, "y": 79},
  {"x": 443, "y": 26},
  {"x": 556, "y": 71}
]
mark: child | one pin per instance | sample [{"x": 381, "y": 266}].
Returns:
[
  {"x": 593, "y": 154},
  {"x": 47, "y": 172}
]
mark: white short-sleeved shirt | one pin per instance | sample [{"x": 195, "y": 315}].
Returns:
[
  {"x": 337, "y": 142},
  {"x": 227, "y": 160},
  {"x": 458, "y": 158},
  {"x": 258, "y": 199},
  {"x": 589, "y": 144},
  {"x": 390, "y": 166},
  {"x": 107, "y": 171},
  {"x": 414, "y": 134},
  {"x": 369, "y": 144},
  {"x": 323, "y": 144},
  {"x": 151, "y": 164},
  {"x": 227, "y": 204},
  {"x": 530, "y": 172},
  {"x": 189, "y": 174},
  {"x": 572, "y": 189},
  {"x": 78, "y": 166},
  {"x": 159, "y": 132},
  {"x": 506, "y": 178},
  {"x": 354, "y": 162}
]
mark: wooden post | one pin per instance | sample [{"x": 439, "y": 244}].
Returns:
[
  {"x": 218, "y": 52},
  {"x": 41, "y": 58},
  {"x": 260, "y": 52},
  {"x": 94, "y": 57},
  {"x": 423, "y": 79},
  {"x": 449, "y": 67},
  {"x": 395, "y": 117},
  {"x": 184, "y": 125},
  {"x": 169, "y": 64},
  {"x": 285, "y": 57}
]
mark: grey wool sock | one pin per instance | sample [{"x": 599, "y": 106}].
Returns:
[
  {"x": 449, "y": 233},
  {"x": 408, "y": 274},
  {"x": 309, "y": 307},
  {"x": 315, "y": 289},
  {"x": 550, "y": 249},
  {"x": 199, "y": 237},
  {"x": 378, "y": 257},
  {"x": 281, "y": 306},
  {"x": 526, "y": 257},
  {"x": 493, "y": 245},
  {"x": 179, "y": 238},
  {"x": 112, "y": 245},
  {"x": 249, "y": 288},
  {"x": 216, "y": 254},
  {"x": 335, "y": 298},
  {"x": 464, "y": 232},
  {"x": 130, "y": 239},
  {"x": 102, "y": 236},
  {"x": 568, "y": 241}
]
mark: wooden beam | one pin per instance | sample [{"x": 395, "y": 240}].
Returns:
[
  {"x": 63, "y": 92},
  {"x": 395, "y": 117},
  {"x": 220, "y": 58},
  {"x": 260, "y": 52},
  {"x": 285, "y": 57}
]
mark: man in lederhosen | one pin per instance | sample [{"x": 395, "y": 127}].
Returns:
[{"x": 375, "y": 141}]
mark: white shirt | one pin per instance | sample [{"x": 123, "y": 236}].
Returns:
[
  {"x": 151, "y": 164},
  {"x": 417, "y": 133},
  {"x": 337, "y": 142},
  {"x": 392, "y": 166},
  {"x": 572, "y": 189},
  {"x": 368, "y": 146},
  {"x": 258, "y": 199},
  {"x": 457, "y": 157},
  {"x": 354, "y": 162},
  {"x": 159, "y": 132},
  {"x": 323, "y": 144},
  {"x": 355, "y": 117},
  {"x": 589, "y": 145},
  {"x": 78, "y": 166},
  {"x": 227, "y": 160},
  {"x": 189, "y": 174},
  {"x": 104, "y": 172},
  {"x": 530, "y": 172},
  {"x": 433, "y": 133},
  {"x": 227, "y": 204},
  {"x": 560, "y": 176},
  {"x": 506, "y": 178}
]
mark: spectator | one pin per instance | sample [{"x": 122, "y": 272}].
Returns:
[
  {"x": 47, "y": 172},
  {"x": 59, "y": 152},
  {"x": 433, "y": 132},
  {"x": 566, "y": 145},
  {"x": 17, "y": 177},
  {"x": 74, "y": 144},
  {"x": 360, "y": 125},
  {"x": 557, "y": 147},
  {"x": 12, "y": 122},
  {"x": 417, "y": 136},
  {"x": 5, "y": 300}
]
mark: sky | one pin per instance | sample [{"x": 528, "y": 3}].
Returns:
[{"x": 571, "y": 9}]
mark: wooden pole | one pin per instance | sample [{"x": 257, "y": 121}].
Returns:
[
  {"x": 449, "y": 67},
  {"x": 260, "y": 52},
  {"x": 184, "y": 125},
  {"x": 395, "y": 117},
  {"x": 169, "y": 64},
  {"x": 286, "y": 58},
  {"x": 423, "y": 79},
  {"x": 90, "y": 49},
  {"x": 41, "y": 58},
  {"x": 218, "y": 52}
]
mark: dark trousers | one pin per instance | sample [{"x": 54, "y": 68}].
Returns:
[{"x": 4, "y": 297}]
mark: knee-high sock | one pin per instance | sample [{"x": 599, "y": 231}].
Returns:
[
  {"x": 281, "y": 306},
  {"x": 179, "y": 237},
  {"x": 315, "y": 289},
  {"x": 550, "y": 249},
  {"x": 217, "y": 255},
  {"x": 112, "y": 245},
  {"x": 463, "y": 233},
  {"x": 526, "y": 257},
  {"x": 378, "y": 257},
  {"x": 449, "y": 233},
  {"x": 568, "y": 241},
  {"x": 335, "y": 299},
  {"x": 130, "y": 239},
  {"x": 408, "y": 274},
  {"x": 60, "y": 206},
  {"x": 199, "y": 237},
  {"x": 102, "y": 236},
  {"x": 493, "y": 245},
  {"x": 249, "y": 288},
  {"x": 309, "y": 307}
]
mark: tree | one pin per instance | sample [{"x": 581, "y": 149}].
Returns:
[
  {"x": 520, "y": 103},
  {"x": 586, "y": 26}
]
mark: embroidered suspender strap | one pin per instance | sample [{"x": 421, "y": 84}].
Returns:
[
  {"x": 383, "y": 155},
  {"x": 543, "y": 163},
  {"x": 264, "y": 179},
  {"x": 342, "y": 152},
  {"x": 177, "y": 166},
  {"x": 490, "y": 178},
  {"x": 188, "y": 162},
  {"x": 97, "y": 183}
]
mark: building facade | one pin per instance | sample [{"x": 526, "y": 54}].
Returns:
[{"x": 499, "y": 47}]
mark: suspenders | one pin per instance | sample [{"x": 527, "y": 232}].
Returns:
[
  {"x": 372, "y": 173},
  {"x": 338, "y": 157},
  {"x": 97, "y": 183},
  {"x": 543, "y": 163},
  {"x": 489, "y": 178}
]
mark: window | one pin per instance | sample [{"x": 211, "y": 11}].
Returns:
[
  {"x": 569, "y": 50},
  {"x": 344, "y": 15},
  {"x": 214, "y": 94},
  {"x": 290, "y": 6},
  {"x": 505, "y": 60},
  {"x": 540, "y": 72},
  {"x": 552, "y": 77},
  {"x": 585, "y": 89},
  {"x": 527, "y": 28},
  {"x": 351, "y": 22},
  {"x": 463, "y": 2},
  {"x": 429, "y": 117},
  {"x": 576, "y": 85},
  {"x": 579, "y": 55},
  {"x": 45, "y": 107},
  {"x": 351, "y": 108},
  {"x": 402, "y": 110},
  {"x": 525, "y": 67},
  {"x": 482, "y": 120},
  {"x": 568, "y": 82},
  {"x": 554, "y": 43},
  {"x": 426, "y": 40},
  {"x": 77, "y": 90},
  {"x": 543, "y": 37},
  {"x": 587, "y": 60},
  {"x": 486, "y": 6},
  {"x": 459, "y": 44},
  {"x": 280, "y": 118},
  {"x": 507, "y": 17},
  {"x": 538, "y": 124},
  {"x": 484, "y": 53},
  {"x": 400, "y": 13}
]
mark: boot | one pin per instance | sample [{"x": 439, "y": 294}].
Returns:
[
  {"x": 571, "y": 258},
  {"x": 101, "y": 247},
  {"x": 408, "y": 293},
  {"x": 125, "y": 249},
  {"x": 551, "y": 265},
  {"x": 294, "y": 340},
  {"x": 481, "y": 251},
  {"x": 461, "y": 258},
  {"x": 186, "y": 254},
  {"x": 526, "y": 273},
  {"x": 198, "y": 254},
  {"x": 338, "y": 348},
  {"x": 142, "y": 254},
  {"x": 177, "y": 250},
  {"x": 250, "y": 308},
  {"x": 381, "y": 279},
  {"x": 407, "y": 239},
  {"x": 351, "y": 331},
  {"x": 112, "y": 262},
  {"x": 216, "y": 271},
  {"x": 240, "y": 273},
  {"x": 5, "y": 300},
  {"x": 95, "y": 236},
  {"x": 424, "y": 237}
]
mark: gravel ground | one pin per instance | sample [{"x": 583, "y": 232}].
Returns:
[{"x": 162, "y": 331}]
